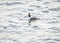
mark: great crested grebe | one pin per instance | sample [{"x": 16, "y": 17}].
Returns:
[{"x": 32, "y": 18}]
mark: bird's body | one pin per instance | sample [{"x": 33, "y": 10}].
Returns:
[{"x": 32, "y": 19}]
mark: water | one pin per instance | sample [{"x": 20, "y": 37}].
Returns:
[{"x": 14, "y": 21}]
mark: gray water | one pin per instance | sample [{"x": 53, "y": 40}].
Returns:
[{"x": 14, "y": 21}]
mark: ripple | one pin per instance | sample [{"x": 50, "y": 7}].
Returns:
[
  {"x": 50, "y": 42},
  {"x": 56, "y": 39},
  {"x": 52, "y": 22},
  {"x": 56, "y": 0},
  {"x": 35, "y": 26},
  {"x": 55, "y": 9},
  {"x": 1, "y": 31},
  {"x": 46, "y": 3},
  {"x": 13, "y": 22},
  {"x": 8, "y": 39},
  {"x": 55, "y": 29},
  {"x": 30, "y": 9},
  {"x": 37, "y": 6},
  {"x": 47, "y": 39},
  {"x": 45, "y": 11},
  {"x": 11, "y": 3},
  {"x": 39, "y": 0},
  {"x": 12, "y": 25}
]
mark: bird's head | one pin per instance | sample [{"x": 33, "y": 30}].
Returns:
[{"x": 29, "y": 15}]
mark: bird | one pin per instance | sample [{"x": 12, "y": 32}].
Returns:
[{"x": 32, "y": 18}]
